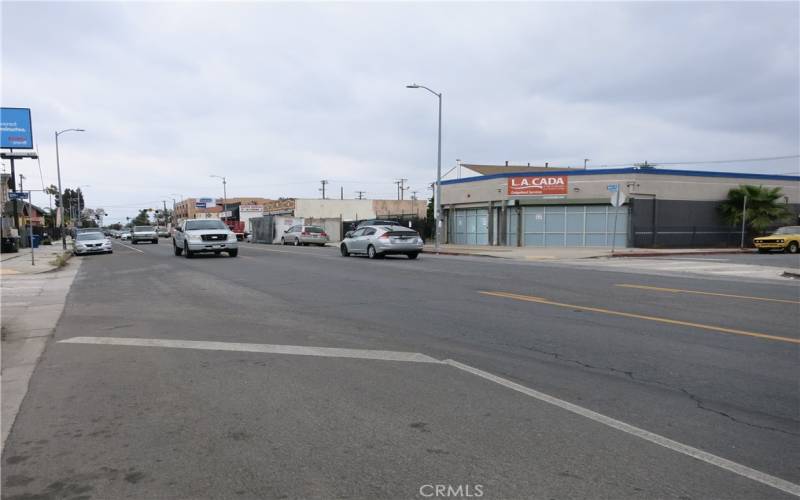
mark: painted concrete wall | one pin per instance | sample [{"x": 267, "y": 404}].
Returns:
[
  {"x": 594, "y": 187},
  {"x": 324, "y": 209}
]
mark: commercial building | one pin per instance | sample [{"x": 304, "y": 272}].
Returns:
[
  {"x": 347, "y": 210},
  {"x": 538, "y": 206}
]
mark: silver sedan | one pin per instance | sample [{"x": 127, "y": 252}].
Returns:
[
  {"x": 378, "y": 241},
  {"x": 86, "y": 243}
]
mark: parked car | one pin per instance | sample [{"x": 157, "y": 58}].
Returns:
[
  {"x": 86, "y": 243},
  {"x": 784, "y": 238},
  {"x": 162, "y": 232},
  {"x": 125, "y": 235},
  {"x": 304, "y": 235},
  {"x": 197, "y": 235},
  {"x": 378, "y": 241},
  {"x": 144, "y": 233},
  {"x": 377, "y": 222},
  {"x": 372, "y": 222}
]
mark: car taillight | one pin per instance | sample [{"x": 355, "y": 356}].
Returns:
[
  {"x": 324, "y": 234},
  {"x": 384, "y": 236},
  {"x": 304, "y": 233}
]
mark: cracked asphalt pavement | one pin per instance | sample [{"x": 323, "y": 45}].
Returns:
[{"x": 715, "y": 372}]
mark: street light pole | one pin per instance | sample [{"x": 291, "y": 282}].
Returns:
[
  {"x": 60, "y": 197},
  {"x": 224, "y": 192},
  {"x": 438, "y": 224}
]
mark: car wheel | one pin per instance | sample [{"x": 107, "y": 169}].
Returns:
[
  {"x": 133, "y": 242},
  {"x": 283, "y": 242},
  {"x": 178, "y": 250},
  {"x": 297, "y": 242},
  {"x": 344, "y": 250},
  {"x": 155, "y": 242},
  {"x": 372, "y": 253},
  {"x": 412, "y": 255},
  {"x": 218, "y": 252},
  {"x": 186, "y": 252},
  {"x": 793, "y": 247},
  {"x": 233, "y": 253}
]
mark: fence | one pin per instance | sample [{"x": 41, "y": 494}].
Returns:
[{"x": 423, "y": 226}]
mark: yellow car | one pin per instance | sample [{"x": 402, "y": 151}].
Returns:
[{"x": 785, "y": 238}]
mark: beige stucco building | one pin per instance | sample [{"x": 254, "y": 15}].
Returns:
[{"x": 522, "y": 206}]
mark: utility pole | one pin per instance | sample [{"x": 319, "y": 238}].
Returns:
[
  {"x": 361, "y": 194},
  {"x": 414, "y": 195},
  {"x": 341, "y": 192},
  {"x": 164, "y": 214},
  {"x": 324, "y": 182},
  {"x": 400, "y": 187}
]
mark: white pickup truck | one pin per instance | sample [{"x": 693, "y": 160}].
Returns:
[{"x": 207, "y": 236}]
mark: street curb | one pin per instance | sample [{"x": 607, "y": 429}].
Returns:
[
  {"x": 664, "y": 254},
  {"x": 433, "y": 252},
  {"x": 791, "y": 274}
]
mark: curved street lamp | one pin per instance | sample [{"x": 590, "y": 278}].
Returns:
[
  {"x": 438, "y": 205},
  {"x": 60, "y": 199}
]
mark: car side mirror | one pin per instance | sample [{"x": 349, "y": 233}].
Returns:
[{"x": 348, "y": 234}]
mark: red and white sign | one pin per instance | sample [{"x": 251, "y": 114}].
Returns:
[{"x": 529, "y": 185}]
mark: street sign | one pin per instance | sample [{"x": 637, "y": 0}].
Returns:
[
  {"x": 198, "y": 204},
  {"x": 613, "y": 188},
  {"x": 617, "y": 199},
  {"x": 18, "y": 195}
]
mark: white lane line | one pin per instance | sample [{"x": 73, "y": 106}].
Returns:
[
  {"x": 126, "y": 246},
  {"x": 698, "y": 454},
  {"x": 297, "y": 350},
  {"x": 15, "y": 304},
  {"x": 684, "y": 449}
]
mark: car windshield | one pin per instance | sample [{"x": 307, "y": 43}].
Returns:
[
  {"x": 89, "y": 236},
  {"x": 314, "y": 229},
  {"x": 788, "y": 230},
  {"x": 142, "y": 229},
  {"x": 205, "y": 224}
]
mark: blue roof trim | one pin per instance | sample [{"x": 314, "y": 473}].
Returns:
[{"x": 631, "y": 170}]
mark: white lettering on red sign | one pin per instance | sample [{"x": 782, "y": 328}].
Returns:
[{"x": 537, "y": 185}]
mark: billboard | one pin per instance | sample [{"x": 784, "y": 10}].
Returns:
[
  {"x": 530, "y": 185},
  {"x": 15, "y": 128},
  {"x": 204, "y": 203}
]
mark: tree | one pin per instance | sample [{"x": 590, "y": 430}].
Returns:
[
  {"x": 143, "y": 219},
  {"x": 765, "y": 207}
]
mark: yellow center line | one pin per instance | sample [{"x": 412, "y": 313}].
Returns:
[
  {"x": 698, "y": 292},
  {"x": 540, "y": 300}
]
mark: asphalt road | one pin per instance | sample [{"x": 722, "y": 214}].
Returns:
[
  {"x": 775, "y": 259},
  {"x": 164, "y": 418}
]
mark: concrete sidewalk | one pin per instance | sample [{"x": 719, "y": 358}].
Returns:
[
  {"x": 44, "y": 259},
  {"x": 558, "y": 253},
  {"x": 31, "y": 305}
]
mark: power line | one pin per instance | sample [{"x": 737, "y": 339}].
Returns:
[{"x": 700, "y": 162}]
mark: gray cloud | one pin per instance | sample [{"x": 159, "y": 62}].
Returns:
[{"x": 278, "y": 96}]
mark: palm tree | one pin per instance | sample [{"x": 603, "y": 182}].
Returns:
[{"x": 763, "y": 208}]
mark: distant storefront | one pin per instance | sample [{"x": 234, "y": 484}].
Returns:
[{"x": 572, "y": 208}]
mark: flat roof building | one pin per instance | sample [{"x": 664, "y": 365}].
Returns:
[{"x": 535, "y": 206}]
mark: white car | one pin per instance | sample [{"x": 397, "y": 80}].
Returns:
[
  {"x": 201, "y": 235},
  {"x": 86, "y": 243},
  {"x": 125, "y": 235}
]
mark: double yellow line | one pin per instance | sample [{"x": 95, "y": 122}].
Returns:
[{"x": 720, "y": 329}]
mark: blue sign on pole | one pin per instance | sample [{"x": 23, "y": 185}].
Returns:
[
  {"x": 19, "y": 195},
  {"x": 613, "y": 188},
  {"x": 15, "y": 128}
]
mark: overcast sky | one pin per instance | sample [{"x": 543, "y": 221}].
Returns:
[{"x": 279, "y": 96}]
